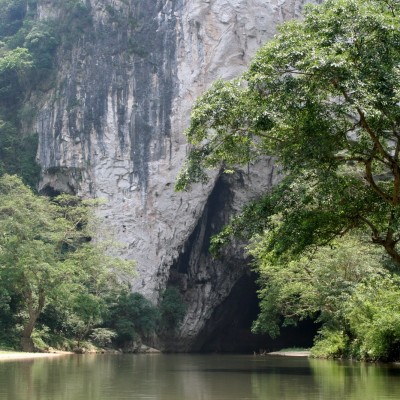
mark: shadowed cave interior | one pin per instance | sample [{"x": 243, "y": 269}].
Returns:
[{"x": 229, "y": 329}]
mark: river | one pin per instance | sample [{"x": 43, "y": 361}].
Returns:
[{"x": 195, "y": 377}]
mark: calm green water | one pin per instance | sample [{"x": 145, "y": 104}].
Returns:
[{"x": 195, "y": 377}]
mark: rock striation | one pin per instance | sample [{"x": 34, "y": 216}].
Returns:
[{"x": 111, "y": 128}]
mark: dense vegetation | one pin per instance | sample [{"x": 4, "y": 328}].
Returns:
[
  {"x": 52, "y": 274},
  {"x": 59, "y": 287},
  {"x": 323, "y": 98}
]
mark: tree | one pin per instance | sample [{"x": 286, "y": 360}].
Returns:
[
  {"x": 373, "y": 314},
  {"x": 323, "y": 98},
  {"x": 133, "y": 317},
  {"x": 14, "y": 68},
  {"x": 46, "y": 256},
  {"x": 340, "y": 286},
  {"x": 12, "y": 13},
  {"x": 172, "y": 310}
]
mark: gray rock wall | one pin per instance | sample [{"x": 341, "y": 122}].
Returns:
[{"x": 112, "y": 129}]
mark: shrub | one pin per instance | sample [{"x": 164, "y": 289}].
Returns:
[
  {"x": 172, "y": 310},
  {"x": 330, "y": 344},
  {"x": 133, "y": 316},
  {"x": 373, "y": 314},
  {"x": 102, "y": 336}
]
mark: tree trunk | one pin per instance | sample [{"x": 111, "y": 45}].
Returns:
[
  {"x": 26, "y": 339},
  {"x": 27, "y": 344},
  {"x": 393, "y": 253}
]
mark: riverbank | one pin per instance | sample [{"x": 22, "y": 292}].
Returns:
[
  {"x": 16, "y": 355},
  {"x": 290, "y": 353}
]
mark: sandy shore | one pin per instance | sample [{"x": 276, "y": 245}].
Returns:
[
  {"x": 303, "y": 353},
  {"x": 26, "y": 356}
]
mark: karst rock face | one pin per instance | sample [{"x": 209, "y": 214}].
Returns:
[{"x": 112, "y": 128}]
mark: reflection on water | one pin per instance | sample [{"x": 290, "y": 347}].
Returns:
[{"x": 195, "y": 377}]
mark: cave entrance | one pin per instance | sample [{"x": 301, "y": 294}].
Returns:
[{"x": 229, "y": 328}]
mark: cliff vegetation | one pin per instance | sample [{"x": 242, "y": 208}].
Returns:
[{"x": 28, "y": 47}]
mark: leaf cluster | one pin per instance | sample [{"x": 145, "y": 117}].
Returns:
[
  {"x": 172, "y": 310},
  {"x": 133, "y": 317},
  {"x": 317, "y": 285}
]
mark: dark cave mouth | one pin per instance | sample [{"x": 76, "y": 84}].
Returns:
[{"x": 229, "y": 328}]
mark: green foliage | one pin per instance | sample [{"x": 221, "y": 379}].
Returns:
[
  {"x": 344, "y": 286},
  {"x": 76, "y": 20},
  {"x": 87, "y": 311},
  {"x": 373, "y": 314},
  {"x": 12, "y": 14},
  {"x": 17, "y": 63},
  {"x": 45, "y": 259},
  {"x": 102, "y": 336},
  {"x": 8, "y": 320},
  {"x": 17, "y": 155},
  {"x": 316, "y": 285},
  {"x": 371, "y": 327},
  {"x": 14, "y": 67},
  {"x": 330, "y": 344},
  {"x": 132, "y": 317},
  {"x": 42, "y": 44},
  {"x": 17, "y": 151},
  {"x": 172, "y": 310}
]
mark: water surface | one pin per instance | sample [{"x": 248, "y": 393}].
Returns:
[{"x": 195, "y": 377}]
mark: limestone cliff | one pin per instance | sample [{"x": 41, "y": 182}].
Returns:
[{"x": 111, "y": 128}]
